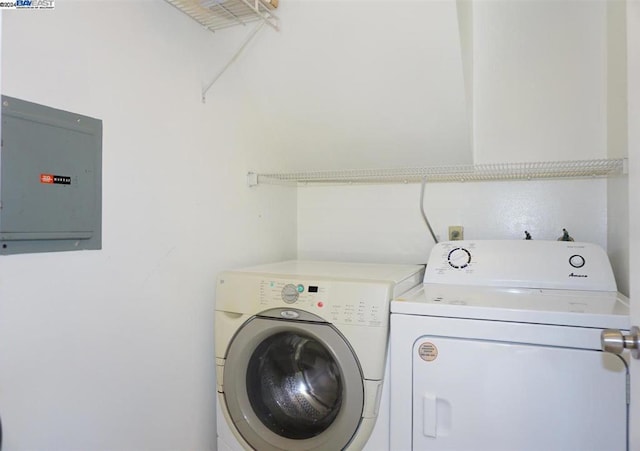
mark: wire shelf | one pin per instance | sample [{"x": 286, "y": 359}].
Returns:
[
  {"x": 469, "y": 173},
  {"x": 219, "y": 14}
]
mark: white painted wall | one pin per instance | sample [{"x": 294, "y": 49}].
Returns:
[
  {"x": 618, "y": 230},
  {"x": 383, "y": 223},
  {"x": 357, "y": 84},
  {"x": 540, "y": 80},
  {"x": 617, "y": 141},
  {"x": 113, "y": 349},
  {"x": 539, "y": 93}
]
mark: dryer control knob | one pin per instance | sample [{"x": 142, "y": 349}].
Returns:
[
  {"x": 459, "y": 258},
  {"x": 577, "y": 261},
  {"x": 290, "y": 293}
]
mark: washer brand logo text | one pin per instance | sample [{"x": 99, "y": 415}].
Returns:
[{"x": 578, "y": 275}]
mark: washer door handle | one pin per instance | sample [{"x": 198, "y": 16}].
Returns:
[{"x": 614, "y": 341}]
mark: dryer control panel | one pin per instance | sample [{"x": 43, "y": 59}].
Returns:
[{"x": 564, "y": 265}]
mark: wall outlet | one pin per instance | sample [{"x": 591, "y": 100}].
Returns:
[{"x": 456, "y": 233}]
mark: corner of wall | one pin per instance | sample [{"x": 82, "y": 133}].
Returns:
[
  {"x": 618, "y": 230},
  {"x": 465, "y": 29}
]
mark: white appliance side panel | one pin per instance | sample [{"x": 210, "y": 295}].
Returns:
[
  {"x": 225, "y": 439},
  {"x": 492, "y": 396}
]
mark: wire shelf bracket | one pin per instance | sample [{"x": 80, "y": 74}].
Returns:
[
  {"x": 218, "y": 14},
  {"x": 231, "y": 61}
]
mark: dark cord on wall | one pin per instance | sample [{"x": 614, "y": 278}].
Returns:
[{"x": 424, "y": 215}]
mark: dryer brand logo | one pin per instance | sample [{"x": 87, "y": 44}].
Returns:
[
  {"x": 578, "y": 275},
  {"x": 55, "y": 179}
]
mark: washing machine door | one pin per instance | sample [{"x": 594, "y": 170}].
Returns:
[{"x": 292, "y": 385}]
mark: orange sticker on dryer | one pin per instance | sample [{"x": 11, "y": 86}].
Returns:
[{"x": 428, "y": 351}]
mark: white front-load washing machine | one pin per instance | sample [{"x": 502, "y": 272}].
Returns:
[
  {"x": 499, "y": 350},
  {"x": 301, "y": 351}
]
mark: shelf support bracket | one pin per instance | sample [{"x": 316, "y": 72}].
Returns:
[{"x": 231, "y": 61}]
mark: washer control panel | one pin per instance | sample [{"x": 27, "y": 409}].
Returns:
[
  {"x": 521, "y": 263},
  {"x": 337, "y": 302}
]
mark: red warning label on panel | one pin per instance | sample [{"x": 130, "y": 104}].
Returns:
[{"x": 57, "y": 179}]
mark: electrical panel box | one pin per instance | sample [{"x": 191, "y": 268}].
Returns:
[{"x": 50, "y": 179}]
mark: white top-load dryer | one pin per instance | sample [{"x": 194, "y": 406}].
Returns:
[
  {"x": 301, "y": 351},
  {"x": 499, "y": 350}
]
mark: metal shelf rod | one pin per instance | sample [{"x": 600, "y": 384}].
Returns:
[{"x": 469, "y": 173}]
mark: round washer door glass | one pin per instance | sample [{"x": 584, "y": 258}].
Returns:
[
  {"x": 294, "y": 385},
  {"x": 290, "y": 384}
]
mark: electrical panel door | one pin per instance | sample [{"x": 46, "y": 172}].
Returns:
[{"x": 50, "y": 179}]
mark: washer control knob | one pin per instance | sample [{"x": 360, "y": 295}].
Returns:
[
  {"x": 577, "y": 261},
  {"x": 290, "y": 293}
]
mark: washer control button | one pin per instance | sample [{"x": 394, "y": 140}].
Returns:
[
  {"x": 290, "y": 293},
  {"x": 577, "y": 261}
]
